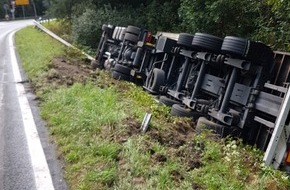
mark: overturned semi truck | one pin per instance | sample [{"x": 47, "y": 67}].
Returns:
[{"x": 231, "y": 85}]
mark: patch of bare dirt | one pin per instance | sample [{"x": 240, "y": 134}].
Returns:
[
  {"x": 160, "y": 158},
  {"x": 67, "y": 72},
  {"x": 138, "y": 182},
  {"x": 176, "y": 175},
  {"x": 174, "y": 140},
  {"x": 190, "y": 155},
  {"x": 131, "y": 127},
  {"x": 176, "y": 135},
  {"x": 178, "y": 138},
  {"x": 196, "y": 186}
]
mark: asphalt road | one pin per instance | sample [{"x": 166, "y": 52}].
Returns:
[{"x": 27, "y": 158}]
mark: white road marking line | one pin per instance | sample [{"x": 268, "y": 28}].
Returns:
[
  {"x": 1, "y": 128},
  {"x": 43, "y": 180},
  {"x": 1, "y": 85}
]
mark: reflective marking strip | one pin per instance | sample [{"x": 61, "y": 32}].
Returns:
[
  {"x": 43, "y": 180},
  {"x": 288, "y": 157},
  {"x": 1, "y": 85}
]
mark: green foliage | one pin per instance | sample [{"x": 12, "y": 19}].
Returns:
[
  {"x": 266, "y": 21},
  {"x": 232, "y": 165},
  {"x": 218, "y": 17},
  {"x": 61, "y": 27},
  {"x": 162, "y": 16},
  {"x": 88, "y": 16},
  {"x": 273, "y": 24},
  {"x": 64, "y": 8},
  {"x": 86, "y": 28},
  {"x": 28, "y": 9}
]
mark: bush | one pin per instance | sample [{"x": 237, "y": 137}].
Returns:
[
  {"x": 273, "y": 25},
  {"x": 86, "y": 28}
]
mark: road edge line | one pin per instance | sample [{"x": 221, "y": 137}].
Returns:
[{"x": 43, "y": 179}]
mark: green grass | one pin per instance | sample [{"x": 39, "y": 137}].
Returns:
[
  {"x": 82, "y": 120},
  {"x": 94, "y": 108},
  {"x": 95, "y": 127},
  {"x": 36, "y": 55}
]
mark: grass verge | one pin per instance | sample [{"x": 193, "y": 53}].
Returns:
[
  {"x": 35, "y": 55},
  {"x": 95, "y": 124}
]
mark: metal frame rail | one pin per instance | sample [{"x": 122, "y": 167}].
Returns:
[{"x": 278, "y": 143}]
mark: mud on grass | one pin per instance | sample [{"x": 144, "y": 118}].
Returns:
[
  {"x": 66, "y": 72},
  {"x": 170, "y": 155},
  {"x": 164, "y": 147}
]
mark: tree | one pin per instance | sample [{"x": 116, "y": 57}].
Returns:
[
  {"x": 273, "y": 24},
  {"x": 29, "y": 10},
  {"x": 266, "y": 20},
  {"x": 162, "y": 15},
  {"x": 219, "y": 17},
  {"x": 64, "y": 8},
  {"x": 3, "y": 10}
]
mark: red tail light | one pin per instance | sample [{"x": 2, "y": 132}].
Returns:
[{"x": 149, "y": 37}]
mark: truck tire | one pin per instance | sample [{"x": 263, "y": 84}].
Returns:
[
  {"x": 204, "y": 123},
  {"x": 155, "y": 79},
  {"x": 120, "y": 76},
  {"x": 116, "y": 30},
  {"x": 131, "y": 38},
  {"x": 181, "y": 110},
  {"x": 100, "y": 62},
  {"x": 255, "y": 52},
  {"x": 235, "y": 46},
  {"x": 122, "y": 34},
  {"x": 185, "y": 40},
  {"x": 133, "y": 30},
  {"x": 207, "y": 42},
  {"x": 167, "y": 101},
  {"x": 122, "y": 69},
  {"x": 119, "y": 33},
  {"x": 107, "y": 29},
  {"x": 95, "y": 64}
]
